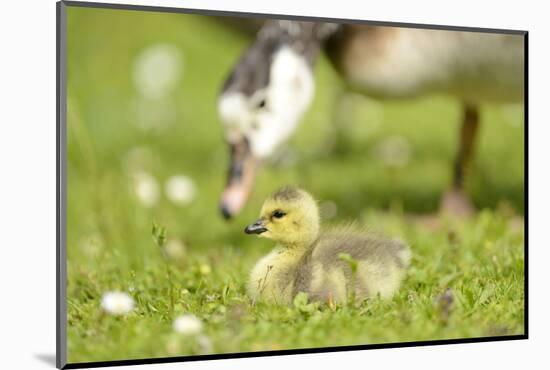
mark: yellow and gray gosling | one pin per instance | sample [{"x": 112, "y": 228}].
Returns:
[{"x": 308, "y": 260}]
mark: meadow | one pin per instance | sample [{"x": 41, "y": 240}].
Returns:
[{"x": 142, "y": 91}]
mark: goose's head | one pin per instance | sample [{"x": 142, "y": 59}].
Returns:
[
  {"x": 264, "y": 98},
  {"x": 290, "y": 216}
]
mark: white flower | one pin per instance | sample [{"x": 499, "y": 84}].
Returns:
[
  {"x": 117, "y": 303},
  {"x": 146, "y": 189},
  {"x": 174, "y": 249},
  {"x": 394, "y": 151},
  {"x": 157, "y": 70},
  {"x": 187, "y": 324},
  {"x": 180, "y": 189}
]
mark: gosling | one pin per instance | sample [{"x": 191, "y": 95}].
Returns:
[{"x": 329, "y": 266}]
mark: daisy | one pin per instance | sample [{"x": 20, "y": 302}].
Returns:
[
  {"x": 117, "y": 303},
  {"x": 146, "y": 189},
  {"x": 157, "y": 70},
  {"x": 187, "y": 324},
  {"x": 180, "y": 190}
]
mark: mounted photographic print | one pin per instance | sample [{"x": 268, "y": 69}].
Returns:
[{"x": 234, "y": 185}]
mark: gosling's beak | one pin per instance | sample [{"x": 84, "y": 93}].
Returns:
[
  {"x": 257, "y": 227},
  {"x": 240, "y": 179}
]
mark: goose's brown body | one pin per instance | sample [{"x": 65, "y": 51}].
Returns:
[{"x": 392, "y": 62}]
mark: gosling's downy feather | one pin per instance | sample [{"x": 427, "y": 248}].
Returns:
[
  {"x": 381, "y": 264},
  {"x": 307, "y": 260}
]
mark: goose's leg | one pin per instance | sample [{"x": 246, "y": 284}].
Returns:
[{"x": 456, "y": 201}]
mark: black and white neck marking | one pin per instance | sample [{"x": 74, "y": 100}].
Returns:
[{"x": 272, "y": 84}]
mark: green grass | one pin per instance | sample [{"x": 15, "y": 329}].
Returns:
[{"x": 333, "y": 155}]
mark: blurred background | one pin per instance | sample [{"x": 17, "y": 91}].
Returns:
[{"x": 145, "y": 144}]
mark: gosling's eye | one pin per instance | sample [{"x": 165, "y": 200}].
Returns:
[
  {"x": 261, "y": 104},
  {"x": 278, "y": 214}
]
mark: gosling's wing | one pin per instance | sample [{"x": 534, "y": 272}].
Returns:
[
  {"x": 380, "y": 265},
  {"x": 361, "y": 247}
]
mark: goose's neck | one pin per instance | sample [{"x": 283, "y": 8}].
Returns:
[{"x": 305, "y": 38}]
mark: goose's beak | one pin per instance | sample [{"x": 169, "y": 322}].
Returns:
[
  {"x": 257, "y": 227},
  {"x": 240, "y": 179}
]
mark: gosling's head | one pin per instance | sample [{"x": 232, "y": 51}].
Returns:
[{"x": 289, "y": 216}]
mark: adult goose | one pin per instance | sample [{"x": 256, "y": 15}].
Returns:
[{"x": 272, "y": 85}]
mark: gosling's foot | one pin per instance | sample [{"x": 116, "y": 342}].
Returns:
[{"x": 456, "y": 203}]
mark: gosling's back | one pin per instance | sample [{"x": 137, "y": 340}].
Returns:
[{"x": 381, "y": 264}]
